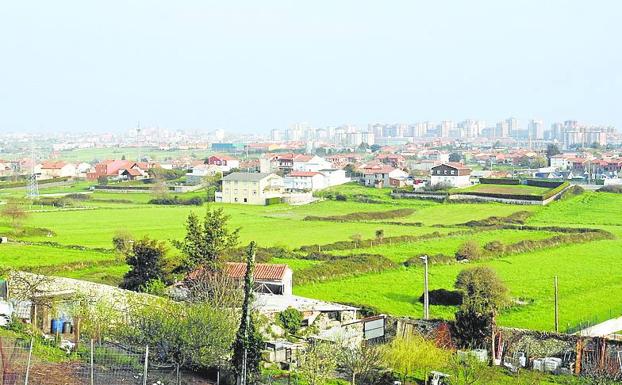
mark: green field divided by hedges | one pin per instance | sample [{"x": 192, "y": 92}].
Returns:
[{"x": 393, "y": 288}]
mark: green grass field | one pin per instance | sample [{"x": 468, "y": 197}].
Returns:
[
  {"x": 589, "y": 274},
  {"x": 504, "y": 189}
]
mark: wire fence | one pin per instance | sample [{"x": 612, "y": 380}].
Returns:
[{"x": 24, "y": 362}]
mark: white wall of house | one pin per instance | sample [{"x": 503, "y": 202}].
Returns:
[
  {"x": 452, "y": 180},
  {"x": 315, "y": 164},
  {"x": 254, "y": 192},
  {"x": 313, "y": 183},
  {"x": 335, "y": 177}
]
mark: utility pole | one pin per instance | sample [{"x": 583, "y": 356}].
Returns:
[
  {"x": 556, "y": 307},
  {"x": 426, "y": 294}
]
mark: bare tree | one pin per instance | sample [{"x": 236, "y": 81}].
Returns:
[
  {"x": 358, "y": 361},
  {"x": 15, "y": 213}
]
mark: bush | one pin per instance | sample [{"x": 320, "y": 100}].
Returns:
[
  {"x": 469, "y": 250},
  {"x": 78, "y": 197},
  {"x": 341, "y": 197},
  {"x": 495, "y": 247},
  {"x": 194, "y": 201},
  {"x": 444, "y": 297},
  {"x": 291, "y": 320}
]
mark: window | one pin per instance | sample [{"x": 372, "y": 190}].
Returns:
[
  {"x": 453, "y": 172},
  {"x": 235, "y": 199},
  {"x": 245, "y": 200}
]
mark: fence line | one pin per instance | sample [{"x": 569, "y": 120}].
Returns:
[{"x": 90, "y": 364}]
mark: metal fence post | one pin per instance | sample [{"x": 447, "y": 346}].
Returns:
[
  {"x": 92, "y": 365},
  {"x": 29, "y": 361},
  {"x": 146, "y": 365}
]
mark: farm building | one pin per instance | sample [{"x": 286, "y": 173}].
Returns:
[
  {"x": 269, "y": 278},
  {"x": 451, "y": 174},
  {"x": 250, "y": 188}
]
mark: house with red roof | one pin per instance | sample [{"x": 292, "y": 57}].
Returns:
[
  {"x": 450, "y": 174},
  {"x": 270, "y": 278},
  {"x": 56, "y": 169},
  {"x": 380, "y": 175},
  {"x": 225, "y": 163},
  {"x": 120, "y": 169}
]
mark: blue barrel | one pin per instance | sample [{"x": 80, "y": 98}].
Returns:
[{"x": 57, "y": 326}]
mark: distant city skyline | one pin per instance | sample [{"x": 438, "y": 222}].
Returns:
[{"x": 250, "y": 67}]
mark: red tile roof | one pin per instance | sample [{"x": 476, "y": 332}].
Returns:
[
  {"x": 263, "y": 271},
  {"x": 53, "y": 165}
]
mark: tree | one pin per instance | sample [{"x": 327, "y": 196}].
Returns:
[
  {"x": 147, "y": 263},
  {"x": 350, "y": 170},
  {"x": 206, "y": 243},
  {"x": 483, "y": 295},
  {"x": 358, "y": 361},
  {"x": 291, "y": 320},
  {"x": 248, "y": 342},
  {"x": 102, "y": 180},
  {"x": 15, "y": 213},
  {"x": 122, "y": 242},
  {"x": 375, "y": 147},
  {"x": 469, "y": 250},
  {"x": 356, "y": 238},
  {"x": 195, "y": 335},
  {"x": 455, "y": 157},
  {"x": 482, "y": 290},
  {"x": 408, "y": 354},
  {"x": 552, "y": 150},
  {"x": 318, "y": 363},
  {"x": 160, "y": 189},
  {"x": 379, "y": 235}
]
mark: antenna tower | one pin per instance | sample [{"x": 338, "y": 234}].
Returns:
[{"x": 33, "y": 184}]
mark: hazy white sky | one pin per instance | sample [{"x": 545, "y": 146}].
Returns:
[{"x": 255, "y": 65}]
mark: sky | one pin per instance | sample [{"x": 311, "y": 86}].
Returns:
[{"x": 251, "y": 66}]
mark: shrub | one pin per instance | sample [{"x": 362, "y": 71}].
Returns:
[
  {"x": 341, "y": 197},
  {"x": 194, "y": 201},
  {"x": 78, "y": 197},
  {"x": 495, "y": 247},
  {"x": 444, "y": 297},
  {"x": 291, "y": 320},
  {"x": 469, "y": 250}
]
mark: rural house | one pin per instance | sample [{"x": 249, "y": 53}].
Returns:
[
  {"x": 250, "y": 188},
  {"x": 381, "y": 175},
  {"x": 451, "y": 174},
  {"x": 304, "y": 180},
  {"x": 59, "y": 169},
  {"x": 120, "y": 169},
  {"x": 224, "y": 163}
]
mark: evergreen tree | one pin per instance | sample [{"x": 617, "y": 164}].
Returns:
[
  {"x": 248, "y": 342},
  {"x": 205, "y": 243},
  {"x": 147, "y": 263}
]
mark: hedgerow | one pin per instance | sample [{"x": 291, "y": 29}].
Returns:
[
  {"x": 362, "y": 216},
  {"x": 344, "y": 267}
]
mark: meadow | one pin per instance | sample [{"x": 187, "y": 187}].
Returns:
[
  {"x": 588, "y": 272},
  {"x": 504, "y": 189}
]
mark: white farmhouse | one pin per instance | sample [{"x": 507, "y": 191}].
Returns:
[
  {"x": 250, "y": 188},
  {"x": 450, "y": 174}
]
